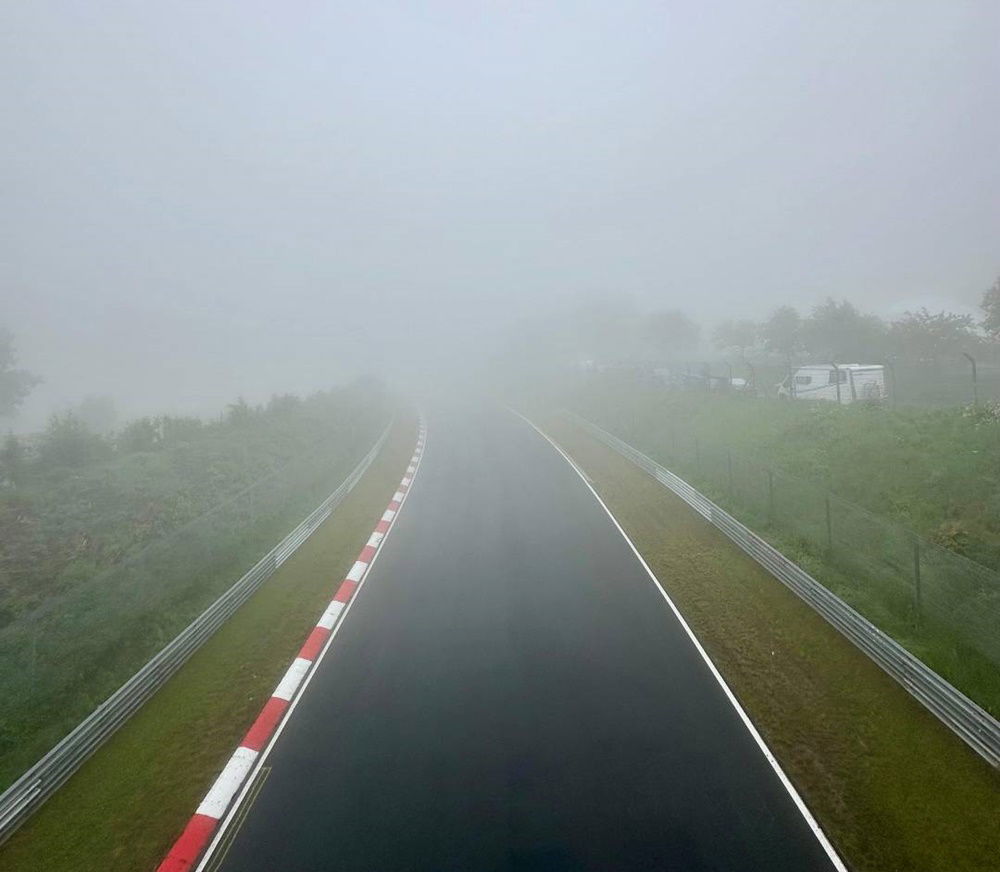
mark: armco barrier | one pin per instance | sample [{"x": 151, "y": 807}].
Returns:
[
  {"x": 975, "y": 726},
  {"x": 28, "y": 793}
]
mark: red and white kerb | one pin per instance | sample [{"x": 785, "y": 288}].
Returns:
[{"x": 183, "y": 856}]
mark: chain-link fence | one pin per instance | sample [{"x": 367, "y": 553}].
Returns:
[
  {"x": 943, "y": 606},
  {"x": 969, "y": 721}
]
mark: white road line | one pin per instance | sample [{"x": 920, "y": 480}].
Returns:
[{"x": 838, "y": 864}]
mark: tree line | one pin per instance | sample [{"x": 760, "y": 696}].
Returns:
[{"x": 837, "y": 330}]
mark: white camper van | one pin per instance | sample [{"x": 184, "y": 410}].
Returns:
[{"x": 847, "y": 383}]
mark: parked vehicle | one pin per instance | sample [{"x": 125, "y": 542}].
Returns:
[{"x": 845, "y": 383}]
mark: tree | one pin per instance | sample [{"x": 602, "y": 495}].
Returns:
[
  {"x": 840, "y": 332},
  {"x": 991, "y": 307},
  {"x": 142, "y": 434},
  {"x": 179, "y": 429},
  {"x": 741, "y": 335},
  {"x": 283, "y": 405},
  {"x": 927, "y": 336},
  {"x": 238, "y": 414},
  {"x": 12, "y": 459},
  {"x": 672, "y": 332},
  {"x": 98, "y": 413},
  {"x": 15, "y": 384},
  {"x": 782, "y": 332},
  {"x": 68, "y": 442}
]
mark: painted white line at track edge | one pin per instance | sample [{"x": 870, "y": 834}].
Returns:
[{"x": 811, "y": 821}]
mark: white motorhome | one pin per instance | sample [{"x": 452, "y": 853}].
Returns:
[{"x": 847, "y": 383}]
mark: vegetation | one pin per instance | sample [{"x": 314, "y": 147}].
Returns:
[
  {"x": 936, "y": 471},
  {"x": 836, "y": 330},
  {"x": 123, "y": 809},
  {"x": 991, "y": 307},
  {"x": 925, "y": 350},
  {"x": 888, "y": 783},
  {"x": 15, "y": 384},
  {"x": 110, "y": 545},
  {"x": 844, "y": 491},
  {"x": 671, "y": 331}
]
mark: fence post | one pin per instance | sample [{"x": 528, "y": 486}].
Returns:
[
  {"x": 770, "y": 496},
  {"x": 916, "y": 578},
  {"x": 829, "y": 525}
]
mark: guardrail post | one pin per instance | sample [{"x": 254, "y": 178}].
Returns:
[
  {"x": 697, "y": 454},
  {"x": 829, "y": 525},
  {"x": 729, "y": 461},
  {"x": 917, "y": 593},
  {"x": 770, "y": 496}
]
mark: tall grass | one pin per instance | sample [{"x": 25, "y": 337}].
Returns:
[{"x": 77, "y": 638}]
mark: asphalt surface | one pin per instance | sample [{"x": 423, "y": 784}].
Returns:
[{"x": 511, "y": 692}]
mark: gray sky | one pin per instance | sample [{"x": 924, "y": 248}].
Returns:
[{"x": 204, "y": 199}]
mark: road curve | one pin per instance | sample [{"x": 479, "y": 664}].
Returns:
[{"x": 510, "y": 691}]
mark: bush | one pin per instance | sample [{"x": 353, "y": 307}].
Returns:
[{"x": 67, "y": 442}]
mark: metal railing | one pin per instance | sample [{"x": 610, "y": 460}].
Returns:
[
  {"x": 35, "y": 786},
  {"x": 975, "y": 726}
]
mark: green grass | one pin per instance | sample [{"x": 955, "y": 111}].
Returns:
[
  {"x": 936, "y": 471},
  {"x": 884, "y": 474},
  {"x": 892, "y": 787},
  {"x": 123, "y": 809},
  {"x": 120, "y": 553}
]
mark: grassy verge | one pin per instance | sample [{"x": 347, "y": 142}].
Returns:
[
  {"x": 123, "y": 809},
  {"x": 892, "y": 787},
  {"x": 783, "y": 468},
  {"x": 120, "y": 554},
  {"x": 934, "y": 471}
]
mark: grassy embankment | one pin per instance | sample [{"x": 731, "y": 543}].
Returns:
[
  {"x": 890, "y": 785},
  {"x": 888, "y": 476},
  {"x": 937, "y": 471},
  {"x": 110, "y": 546},
  {"x": 122, "y": 810}
]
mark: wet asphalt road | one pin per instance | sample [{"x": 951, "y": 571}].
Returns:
[{"x": 511, "y": 692}]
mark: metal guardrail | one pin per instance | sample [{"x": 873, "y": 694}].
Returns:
[
  {"x": 975, "y": 726},
  {"x": 35, "y": 786}
]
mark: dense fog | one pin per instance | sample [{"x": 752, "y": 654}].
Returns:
[{"x": 211, "y": 200}]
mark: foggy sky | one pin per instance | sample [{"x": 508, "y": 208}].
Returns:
[{"x": 207, "y": 199}]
